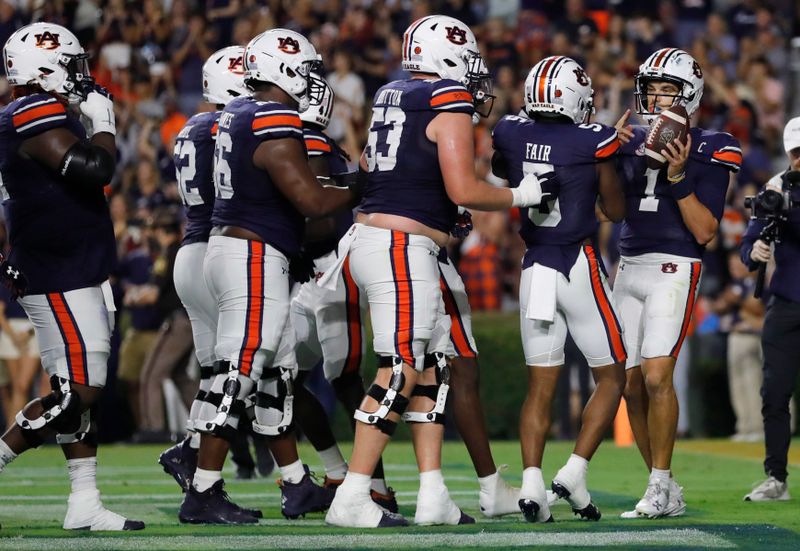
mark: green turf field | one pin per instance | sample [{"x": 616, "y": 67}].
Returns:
[{"x": 715, "y": 474}]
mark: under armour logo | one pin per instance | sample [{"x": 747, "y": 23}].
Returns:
[
  {"x": 456, "y": 35},
  {"x": 12, "y": 272},
  {"x": 236, "y": 65},
  {"x": 47, "y": 40},
  {"x": 669, "y": 268},
  {"x": 289, "y": 45}
]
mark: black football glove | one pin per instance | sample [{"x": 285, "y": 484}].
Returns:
[
  {"x": 463, "y": 224},
  {"x": 301, "y": 268}
]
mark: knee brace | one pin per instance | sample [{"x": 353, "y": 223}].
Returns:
[
  {"x": 282, "y": 401},
  {"x": 206, "y": 379},
  {"x": 61, "y": 412},
  {"x": 230, "y": 404},
  {"x": 85, "y": 432},
  {"x": 389, "y": 399},
  {"x": 437, "y": 392}
]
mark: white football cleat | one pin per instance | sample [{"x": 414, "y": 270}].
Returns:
[
  {"x": 357, "y": 511},
  {"x": 85, "y": 511},
  {"x": 501, "y": 500},
  {"x": 576, "y": 494},
  {"x": 676, "y": 505},
  {"x": 655, "y": 501},
  {"x": 771, "y": 489},
  {"x": 534, "y": 503},
  {"x": 434, "y": 506}
]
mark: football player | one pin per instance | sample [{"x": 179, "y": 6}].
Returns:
[
  {"x": 223, "y": 75},
  {"x": 329, "y": 325},
  {"x": 671, "y": 214},
  {"x": 563, "y": 286},
  {"x": 419, "y": 162},
  {"x": 62, "y": 249},
  {"x": 264, "y": 190}
]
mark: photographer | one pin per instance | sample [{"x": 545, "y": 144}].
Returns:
[{"x": 782, "y": 323}]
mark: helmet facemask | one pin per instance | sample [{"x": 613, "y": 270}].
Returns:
[
  {"x": 479, "y": 83},
  {"x": 78, "y": 82},
  {"x": 640, "y": 95}
]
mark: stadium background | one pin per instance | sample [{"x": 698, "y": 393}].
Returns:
[{"x": 149, "y": 54}]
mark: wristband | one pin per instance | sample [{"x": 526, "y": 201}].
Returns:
[
  {"x": 681, "y": 189},
  {"x": 677, "y": 178}
]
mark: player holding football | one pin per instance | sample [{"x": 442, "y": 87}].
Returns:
[
  {"x": 671, "y": 214},
  {"x": 420, "y": 164},
  {"x": 62, "y": 249},
  {"x": 563, "y": 283},
  {"x": 264, "y": 191}
]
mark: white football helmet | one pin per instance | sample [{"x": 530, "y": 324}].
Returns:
[
  {"x": 286, "y": 59},
  {"x": 223, "y": 76},
  {"x": 559, "y": 85},
  {"x": 445, "y": 46},
  {"x": 50, "y": 56},
  {"x": 670, "y": 65},
  {"x": 320, "y": 113}
]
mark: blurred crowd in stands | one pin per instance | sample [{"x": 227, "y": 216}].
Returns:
[{"x": 149, "y": 54}]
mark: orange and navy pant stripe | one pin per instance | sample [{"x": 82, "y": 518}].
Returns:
[
  {"x": 687, "y": 315},
  {"x": 612, "y": 326},
  {"x": 458, "y": 332},
  {"x": 404, "y": 297},
  {"x": 75, "y": 348},
  {"x": 352, "y": 362},
  {"x": 254, "y": 315}
]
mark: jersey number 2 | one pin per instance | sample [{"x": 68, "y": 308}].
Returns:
[{"x": 384, "y": 138}]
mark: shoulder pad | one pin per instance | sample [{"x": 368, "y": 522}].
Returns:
[
  {"x": 275, "y": 120},
  {"x": 317, "y": 143},
  {"x": 36, "y": 113},
  {"x": 507, "y": 124},
  {"x": 607, "y": 141},
  {"x": 718, "y": 148},
  {"x": 449, "y": 95}
]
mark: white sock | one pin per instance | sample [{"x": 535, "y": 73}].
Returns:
[
  {"x": 532, "y": 482},
  {"x": 335, "y": 465},
  {"x": 431, "y": 479},
  {"x": 576, "y": 467},
  {"x": 194, "y": 440},
  {"x": 660, "y": 474},
  {"x": 488, "y": 483},
  {"x": 355, "y": 483},
  {"x": 82, "y": 473},
  {"x": 204, "y": 479},
  {"x": 293, "y": 473},
  {"x": 7, "y": 455},
  {"x": 379, "y": 485}
]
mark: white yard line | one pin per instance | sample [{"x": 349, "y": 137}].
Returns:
[{"x": 672, "y": 537}]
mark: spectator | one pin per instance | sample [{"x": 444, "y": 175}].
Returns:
[{"x": 18, "y": 351}]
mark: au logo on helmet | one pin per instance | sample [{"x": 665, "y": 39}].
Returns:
[
  {"x": 583, "y": 78},
  {"x": 456, "y": 35},
  {"x": 236, "y": 65},
  {"x": 47, "y": 40},
  {"x": 289, "y": 45}
]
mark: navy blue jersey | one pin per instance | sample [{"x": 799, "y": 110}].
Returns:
[
  {"x": 320, "y": 145},
  {"x": 653, "y": 222},
  {"x": 554, "y": 230},
  {"x": 60, "y": 233},
  {"x": 194, "y": 171},
  {"x": 405, "y": 178},
  {"x": 245, "y": 195}
]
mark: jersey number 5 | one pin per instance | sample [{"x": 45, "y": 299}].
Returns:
[
  {"x": 384, "y": 138},
  {"x": 547, "y": 214}
]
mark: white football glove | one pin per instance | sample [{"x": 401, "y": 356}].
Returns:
[
  {"x": 98, "y": 107},
  {"x": 528, "y": 193}
]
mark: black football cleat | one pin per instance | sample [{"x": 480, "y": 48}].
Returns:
[
  {"x": 590, "y": 512},
  {"x": 530, "y": 510},
  {"x": 388, "y": 500},
  {"x": 180, "y": 462},
  {"x": 466, "y": 519},
  {"x": 133, "y": 525},
  {"x": 393, "y": 520},
  {"x": 212, "y": 507},
  {"x": 304, "y": 497}
]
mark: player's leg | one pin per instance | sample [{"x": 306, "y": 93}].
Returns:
[
  {"x": 403, "y": 311},
  {"x": 73, "y": 330},
  {"x": 543, "y": 345},
  {"x": 598, "y": 334},
  {"x": 667, "y": 314},
  {"x": 496, "y": 498}
]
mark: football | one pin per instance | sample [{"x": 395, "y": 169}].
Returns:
[{"x": 671, "y": 125}]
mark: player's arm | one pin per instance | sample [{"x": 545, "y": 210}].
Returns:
[
  {"x": 453, "y": 135},
  {"x": 612, "y": 197},
  {"x": 700, "y": 221},
  {"x": 286, "y": 162},
  {"x": 320, "y": 228}
]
